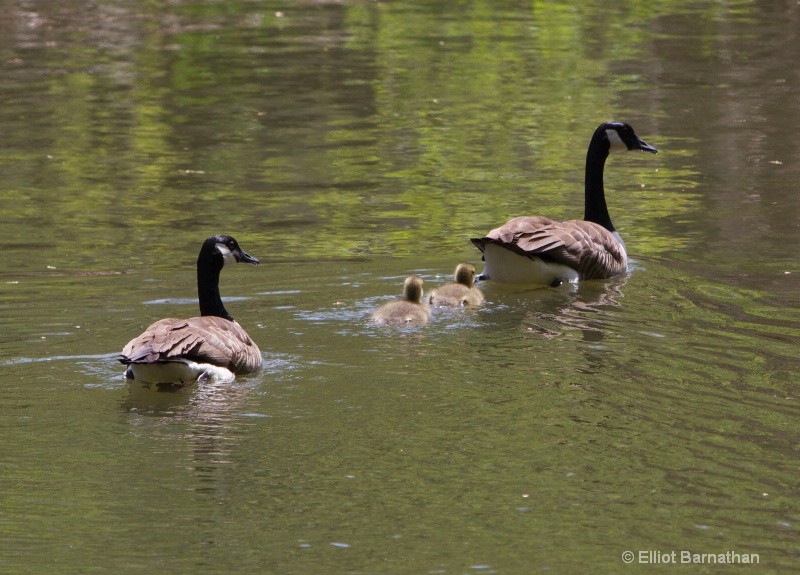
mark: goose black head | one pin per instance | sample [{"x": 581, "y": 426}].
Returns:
[
  {"x": 621, "y": 138},
  {"x": 226, "y": 248}
]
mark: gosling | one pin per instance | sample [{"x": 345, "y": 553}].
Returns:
[
  {"x": 409, "y": 311},
  {"x": 459, "y": 294}
]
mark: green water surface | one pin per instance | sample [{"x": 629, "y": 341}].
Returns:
[{"x": 347, "y": 145}]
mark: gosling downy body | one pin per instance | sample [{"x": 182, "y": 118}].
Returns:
[
  {"x": 539, "y": 250},
  {"x": 211, "y": 347},
  {"x": 459, "y": 294},
  {"x": 410, "y": 310}
]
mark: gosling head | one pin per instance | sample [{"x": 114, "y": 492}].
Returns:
[
  {"x": 412, "y": 289},
  {"x": 465, "y": 274}
]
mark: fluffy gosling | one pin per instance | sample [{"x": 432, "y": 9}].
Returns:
[
  {"x": 459, "y": 294},
  {"x": 410, "y": 310}
]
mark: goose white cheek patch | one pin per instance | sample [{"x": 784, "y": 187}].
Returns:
[
  {"x": 227, "y": 255},
  {"x": 616, "y": 144}
]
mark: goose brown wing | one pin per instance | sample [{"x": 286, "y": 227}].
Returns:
[
  {"x": 206, "y": 339},
  {"x": 588, "y": 248},
  {"x": 507, "y": 233},
  {"x": 584, "y": 246}
]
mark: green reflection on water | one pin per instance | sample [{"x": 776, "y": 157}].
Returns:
[
  {"x": 410, "y": 133},
  {"x": 548, "y": 430}
]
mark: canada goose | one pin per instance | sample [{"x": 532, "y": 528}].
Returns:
[
  {"x": 538, "y": 250},
  {"x": 210, "y": 347},
  {"x": 410, "y": 310},
  {"x": 461, "y": 293}
]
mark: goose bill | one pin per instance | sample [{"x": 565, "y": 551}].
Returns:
[
  {"x": 243, "y": 256},
  {"x": 645, "y": 147}
]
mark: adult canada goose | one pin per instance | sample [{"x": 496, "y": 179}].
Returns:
[
  {"x": 410, "y": 310},
  {"x": 538, "y": 250},
  {"x": 211, "y": 347},
  {"x": 461, "y": 293}
]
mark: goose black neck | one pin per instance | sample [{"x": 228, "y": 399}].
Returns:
[
  {"x": 595, "y": 209},
  {"x": 208, "y": 268}
]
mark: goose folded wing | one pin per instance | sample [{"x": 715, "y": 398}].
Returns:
[
  {"x": 511, "y": 230},
  {"x": 229, "y": 343},
  {"x": 150, "y": 345},
  {"x": 584, "y": 246},
  {"x": 206, "y": 339}
]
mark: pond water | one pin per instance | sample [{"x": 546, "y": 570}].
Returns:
[{"x": 347, "y": 145}]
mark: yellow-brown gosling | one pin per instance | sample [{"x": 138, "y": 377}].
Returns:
[
  {"x": 410, "y": 310},
  {"x": 459, "y": 294}
]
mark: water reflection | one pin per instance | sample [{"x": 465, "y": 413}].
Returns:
[
  {"x": 357, "y": 142},
  {"x": 583, "y": 309},
  {"x": 207, "y": 401},
  {"x": 199, "y": 425}
]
